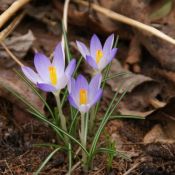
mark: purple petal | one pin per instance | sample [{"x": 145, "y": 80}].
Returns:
[
  {"x": 71, "y": 85},
  {"x": 96, "y": 97},
  {"x": 83, "y": 49},
  {"x": 91, "y": 62},
  {"x": 102, "y": 64},
  {"x": 59, "y": 58},
  {"x": 95, "y": 82},
  {"x": 42, "y": 64},
  {"x": 46, "y": 87},
  {"x": 95, "y": 45},
  {"x": 72, "y": 102},
  {"x": 94, "y": 86},
  {"x": 81, "y": 83},
  {"x": 62, "y": 81},
  {"x": 70, "y": 68},
  {"x": 108, "y": 45},
  {"x": 30, "y": 74},
  {"x": 72, "y": 88},
  {"x": 112, "y": 55}
]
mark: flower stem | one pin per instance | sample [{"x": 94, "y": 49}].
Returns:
[
  {"x": 83, "y": 137},
  {"x": 61, "y": 115}
]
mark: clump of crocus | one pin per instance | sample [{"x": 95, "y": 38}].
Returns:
[
  {"x": 83, "y": 95},
  {"x": 97, "y": 56},
  {"x": 50, "y": 76}
]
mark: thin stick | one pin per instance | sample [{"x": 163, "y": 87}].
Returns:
[
  {"x": 75, "y": 166},
  {"x": 17, "y": 5},
  {"x": 65, "y": 14},
  {"x": 129, "y": 21},
  {"x": 11, "y": 54},
  {"x": 8, "y": 167},
  {"x": 132, "y": 168},
  {"x": 11, "y": 27}
]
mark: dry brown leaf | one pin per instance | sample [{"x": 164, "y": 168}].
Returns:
[
  {"x": 130, "y": 80},
  {"x": 9, "y": 79},
  {"x": 156, "y": 134},
  {"x": 18, "y": 45}
]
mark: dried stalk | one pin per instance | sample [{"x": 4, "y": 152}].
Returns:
[
  {"x": 11, "y": 54},
  {"x": 6, "y": 15},
  {"x": 9, "y": 29},
  {"x": 65, "y": 14},
  {"x": 118, "y": 17}
]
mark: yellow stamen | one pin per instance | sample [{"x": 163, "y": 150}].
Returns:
[
  {"x": 99, "y": 55},
  {"x": 83, "y": 96},
  {"x": 53, "y": 75}
]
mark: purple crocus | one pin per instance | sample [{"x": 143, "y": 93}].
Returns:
[
  {"x": 50, "y": 76},
  {"x": 82, "y": 95},
  {"x": 98, "y": 57}
]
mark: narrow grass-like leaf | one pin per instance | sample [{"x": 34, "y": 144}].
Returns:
[
  {"x": 116, "y": 41},
  {"x": 60, "y": 130},
  {"x": 36, "y": 92},
  {"x": 103, "y": 85},
  {"x": 105, "y": 120},
  {"x": 118, "y": 116},
  {"x": 116, "y": 76},
  {"x": 46, "y": 161},
  {"x": 70, "y": 157},
  {"x": 111, "y": 151},
  {"x": 106, "y": 150},
  {"x": 72, "y": 126},
  {"x": 105, "y": 78},
  {"x": 68, "y": 54},
  {"x": 100, "y": 128},
  {"x": 30, "y": 106}
]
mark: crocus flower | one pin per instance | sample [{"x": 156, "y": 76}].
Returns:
[
  {"x": 82, "y": 95},
  {"x": 50, "y": 76},
  {"x": 98, "y": 57}
]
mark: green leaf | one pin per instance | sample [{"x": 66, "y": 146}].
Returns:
[
  {"x": 163, "y": 11},
  {"x": 118, "y": 116},
  {"x": 36, "y": 92},
  {"x": 46, "y": 161},
  {"x": 73, "y": 123},
  {"x": 105, "y": 120},
  {"x": 116, "y": 76},
  {"x": 68, "y": 54},
  {"x": 59, "y": 130}
]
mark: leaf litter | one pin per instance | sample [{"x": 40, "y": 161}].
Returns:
[{"x": 149, "y": 64}]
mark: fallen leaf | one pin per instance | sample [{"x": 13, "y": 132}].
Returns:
[
  {"x": 9, "y": 79},
  {"x": 130, "y": 80},
  {"x": 18, "y": 45}
]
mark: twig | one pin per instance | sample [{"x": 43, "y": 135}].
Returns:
[
  {"x": 11, "y": 27},
  {"x": 132, "y": 168},
  {"x": 75, "y": 166},
  {"x": 65, "y": 14},
  {"x": 17, "y": 5},
  {"x": 113, "y": 15},
  {"x": 11, "y": 54},
  {"x": 156, "y": 103},
  {"x": 8, "y": 167}
]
